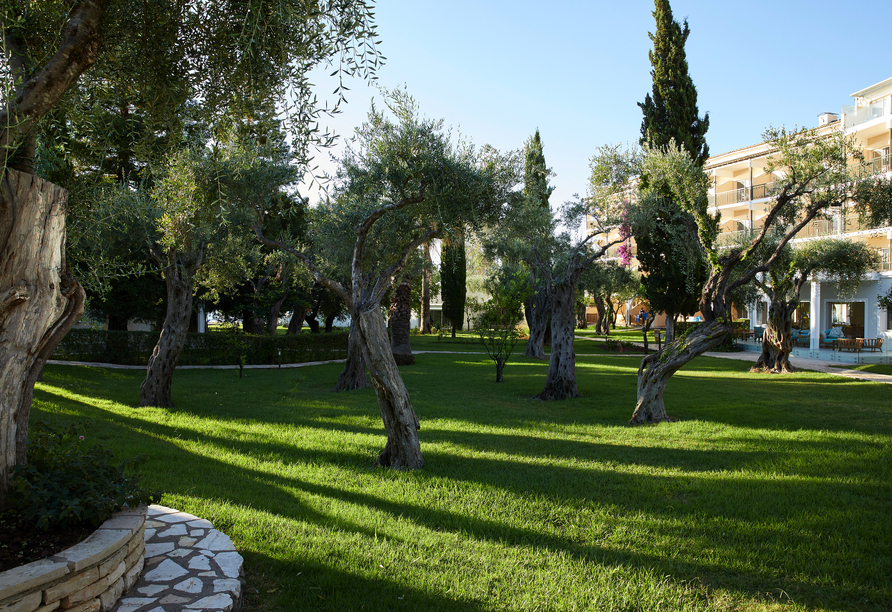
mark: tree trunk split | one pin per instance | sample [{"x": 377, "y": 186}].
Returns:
[
  {"x": 403, "y": 448},
  {"x": 537, "y": 310},
  {"x": 560, "y": 382},
  {"x": 353, "y": 376},
  {"x": 39, "y": 301}
]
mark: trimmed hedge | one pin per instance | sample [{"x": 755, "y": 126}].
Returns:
[{"x": 217, "y": 348}]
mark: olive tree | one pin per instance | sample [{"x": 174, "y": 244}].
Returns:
[
  {"x": 400, "y": 184},
  {"x": 813, "y": 176},
  {"x": 830, "y": 260},
  {"x": 156, "y": 56}
]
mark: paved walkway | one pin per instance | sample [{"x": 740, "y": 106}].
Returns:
[
  {"x": 189, "y": 566},
  {"x": 797, "y": 362}
]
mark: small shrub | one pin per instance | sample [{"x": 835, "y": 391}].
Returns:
[{"x": 69, "y": 481}]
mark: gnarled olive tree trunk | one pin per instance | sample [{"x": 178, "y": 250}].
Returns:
[
  {"x": 561, "y": 380},
  {"x": 657, "y": 368},
  {"x": 537, "y": 311},
  {"x": 353, "y": 376},
  {"x": 777, "y": 341},
  {"x": 39, "y": 301},
  {"x": 401, "y": 322},
  {"x": 403, "y": 448},
  {"x": 156, "y": 388}
]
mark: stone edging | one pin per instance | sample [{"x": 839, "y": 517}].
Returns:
[{"x": 88, "y": 577}]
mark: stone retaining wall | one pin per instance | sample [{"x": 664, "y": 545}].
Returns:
[{"x": 88, "y": 577}]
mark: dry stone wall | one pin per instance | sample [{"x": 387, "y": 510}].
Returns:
[{"x": 88, "y": 577}]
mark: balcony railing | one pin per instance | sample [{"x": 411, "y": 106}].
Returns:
[
  {"x": 856, "y": 116},
  {"x": 756, "y": 192}
]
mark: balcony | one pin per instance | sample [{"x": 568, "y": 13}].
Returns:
[
  {"x": 756, "y": 192},
  {"x": 856, "y": 116}
]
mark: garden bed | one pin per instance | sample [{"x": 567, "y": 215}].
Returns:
[{"x": 91, "y": 575}]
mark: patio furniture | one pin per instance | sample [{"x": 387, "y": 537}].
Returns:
[
  {"x": 850, "y": 344},
  {"x": 803, "y": 339},
  {"x": 825, "y": 342},
  {"x": 873, "y": 344}
]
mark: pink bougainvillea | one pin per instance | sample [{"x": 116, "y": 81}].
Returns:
[{"x": 625, "y": 231}]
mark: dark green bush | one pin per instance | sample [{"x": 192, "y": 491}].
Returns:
[
  {"x": 217, "y": 348},
  {"x": 69, "y": 480}
]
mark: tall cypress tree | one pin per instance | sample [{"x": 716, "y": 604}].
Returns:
[
  {"x": 536, "y": 190},
  {"x": 453, "y": 280},
  {"x": 671, "y": 110},
  {"x": 674, "y": 271},
  {"x": 535, "y": 172}
]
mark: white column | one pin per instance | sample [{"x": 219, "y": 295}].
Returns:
[
  {"x": 202, "y": 320},
  {"x": 815, "y": 315}
]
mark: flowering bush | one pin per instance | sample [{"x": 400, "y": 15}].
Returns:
[{"x": 69, "y": 481}]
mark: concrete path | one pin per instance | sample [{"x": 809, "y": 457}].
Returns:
[
  {"x": 189, "y": 567},
  {"x": 797, "y": 362}
]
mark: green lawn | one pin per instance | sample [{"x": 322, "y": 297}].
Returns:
[{"x": 770, "y": 493}]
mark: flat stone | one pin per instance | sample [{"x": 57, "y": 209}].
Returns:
[
  {"x": 199, "y": 563},
  {"x": 179, "y": 553},
  {"x": 220, "y": 601},
  {"x": 155, "y": 510},
  {"x": 210, "y": 574},
  {"x": 72, "y": 585},
  {"x": 165, "y": 572},
  {"x": 186, "y": 542},
  {"x": 152, "y": 589},
  {"x": 230, "y": 563},
  {"x": 208, "y": 553},
  {"x": 173, "y": 599},
  {"x": 201, "y": 524},
  {"x": 99, "y": 545},
  {"x": 228, "y": 585},
  {"x": 49, "y": 608},
  {"x": 150, "y": 533},
  {"x": 189, "y": 585},
  {"x": 158, "y": 549},
  {"x": 216, "y": 541},
  {"x": 176, "y": 530},
  {"x": 132, "y": 604},
  {"x": 155, "y": 524},
  {"x": 29, "y": 603},
  {"x": 130, "y": 522},
  {"x": 179, "y": 517},
  {"x": 197, "y": 533},
  {"x": 21, "y": 579}
]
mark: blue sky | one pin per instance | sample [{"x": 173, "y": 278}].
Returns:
[{"x": 497, "y": 70}]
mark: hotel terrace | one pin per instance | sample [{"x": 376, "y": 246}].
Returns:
[{"x": 740, "y": 192}]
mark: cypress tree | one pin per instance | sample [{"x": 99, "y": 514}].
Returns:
[
  {"x": 674, "y": 272},
  {"x": 535, "y": 172},
  {"x": 453, "y": 280},
  {"x": 671, "y": 110}
]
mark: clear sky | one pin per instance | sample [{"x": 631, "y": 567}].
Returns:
[{"x": 496, "y": 69}]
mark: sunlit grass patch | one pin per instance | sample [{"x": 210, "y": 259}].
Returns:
[{"x": 770, "y": 493}]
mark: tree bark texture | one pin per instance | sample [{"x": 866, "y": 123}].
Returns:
[
  {"x": 560, "y": 383},
  {"x": 156, "y": 388},
  {"x": 657, "y": 368},
  {"x": 670, "y": 326},
  {"x": 297, "y": 320},
  {"x": 777, "y": 340},
  {"x": 403, "y": 448},
  {"x": 39, "y": 301},
  {"x": 353, "y": 376},
  {"x": 400, "y": 323},
  {"x": 602, "y": 327},
  {"x": 581, "y": 320},
  {"x": 427, "y": 279},
  {"x": 537, "y": 310}
]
